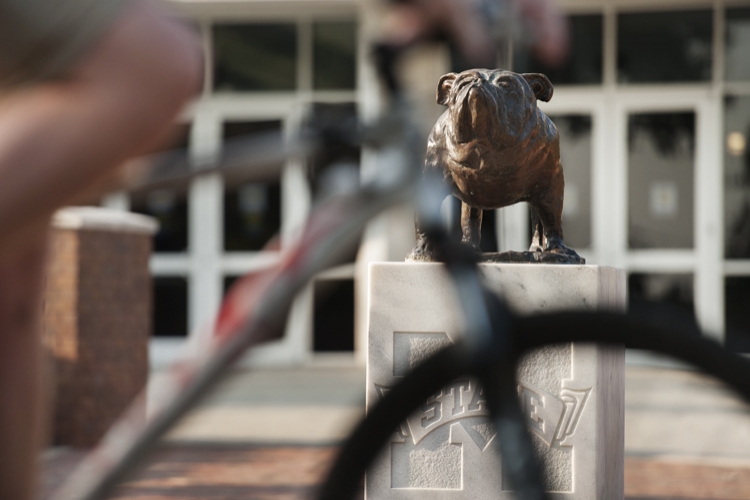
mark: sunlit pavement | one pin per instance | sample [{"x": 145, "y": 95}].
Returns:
[
  {"x": 314, "y": 406},
  {"x": 271, "y": 434}
]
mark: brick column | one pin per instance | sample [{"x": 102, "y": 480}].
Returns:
[{"x": 97, "y": 317}]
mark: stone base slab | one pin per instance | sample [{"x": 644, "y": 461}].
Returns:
[{"x": 572, "y": 395}]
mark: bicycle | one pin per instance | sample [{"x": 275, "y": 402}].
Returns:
[{"x": 494, "y": 338}]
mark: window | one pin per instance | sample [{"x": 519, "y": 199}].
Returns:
[
  {"x": 333, "y": 326},
  {"x": 736, "y": 177},
  {"x": 673, "y": 292},
  {"x": 168, "y": 206},
  {"x": 737, "y": 41},
  {"x": 252, "y": 215},
  {"x": 255, "y": 57},
  {"x": 664, "y": 47},
  {"x": 489, "y": 231},
  {"x": 676, "y": 289},
  {"x": 330, "y": 167},
  {"x": 660, "y": 180},
  {"x": 252, "y": 210},
  {"x": 334, "y": 55},
  {"x": 737, "y": 297},
  {"x": 229, "y": 281},
  {"x": 170, "y": 307},
  {"x": 575, "y": 156},
  {"x": 584, "y": 64}
]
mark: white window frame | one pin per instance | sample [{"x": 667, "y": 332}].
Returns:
[{"x": 205, "y": 263}]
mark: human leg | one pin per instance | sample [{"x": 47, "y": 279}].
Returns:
[
  {"x": 61, "y": 136},
  {"x": 21, "y": 396},
  {"x": 56, "y": 139}
]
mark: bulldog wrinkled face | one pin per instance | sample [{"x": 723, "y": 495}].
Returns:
[{"x": 488, "y": 103}]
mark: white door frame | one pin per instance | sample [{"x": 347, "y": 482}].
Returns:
[
  {"x": 582, "y": 101},
  {"x": 705, "y": 260},
  {"x": 609, "y": 107}
]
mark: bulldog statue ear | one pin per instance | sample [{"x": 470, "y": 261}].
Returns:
[
  {"x": 540, "y": 85},
  {"x": 444, "y": 88}
]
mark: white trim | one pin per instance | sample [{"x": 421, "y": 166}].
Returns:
[
  {"x": 247, "y": 106},
  {"x": 575, "y": 6},
  {"x": 345, "y": 271},
  {"x": 736, "y": 267},
  {"x": 637, "y": 357},
  {"x": 652, "y": 97},
  {"x": 619, "y": 185},
  {"x": 205, "y": 235},
  {"x": 637, "y": 6},
  {"x": 512, "y": 225},
  {"x": 709, "y": 219},
  {"x": 375, "y": 236},
  {"x": 237, "y": 11},
  {"x": 163, "y": 351},
  {"x": 118, "y": 200},
  {"x": 660, "y": 261},
  {"x": 164, "y": 264},
  {"x": 204, "y": 222},
  {"x": 333, "y": 360},
  {"x": 237, "y": 263},
  {"x": 104, "y": 219},
  {"x": 205, "y": 137}
]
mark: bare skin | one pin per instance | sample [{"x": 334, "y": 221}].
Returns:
[
  {"x": 407, "y": 22},
  {"x": 21, "y": 372},
  {"x": 118, "y": 101},
  {"x": 57, "y": 140}
]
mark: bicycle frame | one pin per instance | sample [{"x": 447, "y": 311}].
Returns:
[{"x": 255, "y": 309}]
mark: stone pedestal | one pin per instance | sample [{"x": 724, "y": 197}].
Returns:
[
  {"x": 97, "y": 317},
  {"x": 572, "y": 395}
]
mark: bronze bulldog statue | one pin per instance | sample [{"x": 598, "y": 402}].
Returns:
[{"x": 495, "y": 147}]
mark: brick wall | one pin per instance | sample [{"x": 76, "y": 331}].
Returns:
[{"x": 97, "y": 321}]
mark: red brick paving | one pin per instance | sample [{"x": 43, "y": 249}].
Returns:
[
  {"x": 234, "y": 472},
  {"x": 215, "y": 472},
  {"x": 646, "y": 478}
]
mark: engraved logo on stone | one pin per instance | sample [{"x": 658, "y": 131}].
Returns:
[
  {"x": 551, "y": 418},
  {"x": 460, "y": 399}
]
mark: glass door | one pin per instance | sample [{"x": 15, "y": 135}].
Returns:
[
  {"x": 579, "y": 118},
  {"x": 668, "y": 200}
]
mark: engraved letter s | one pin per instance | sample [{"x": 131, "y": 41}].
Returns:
[{"x": 433, "y": 411}]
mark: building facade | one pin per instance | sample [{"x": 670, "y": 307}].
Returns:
[{"x": 653, "y": 107}]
